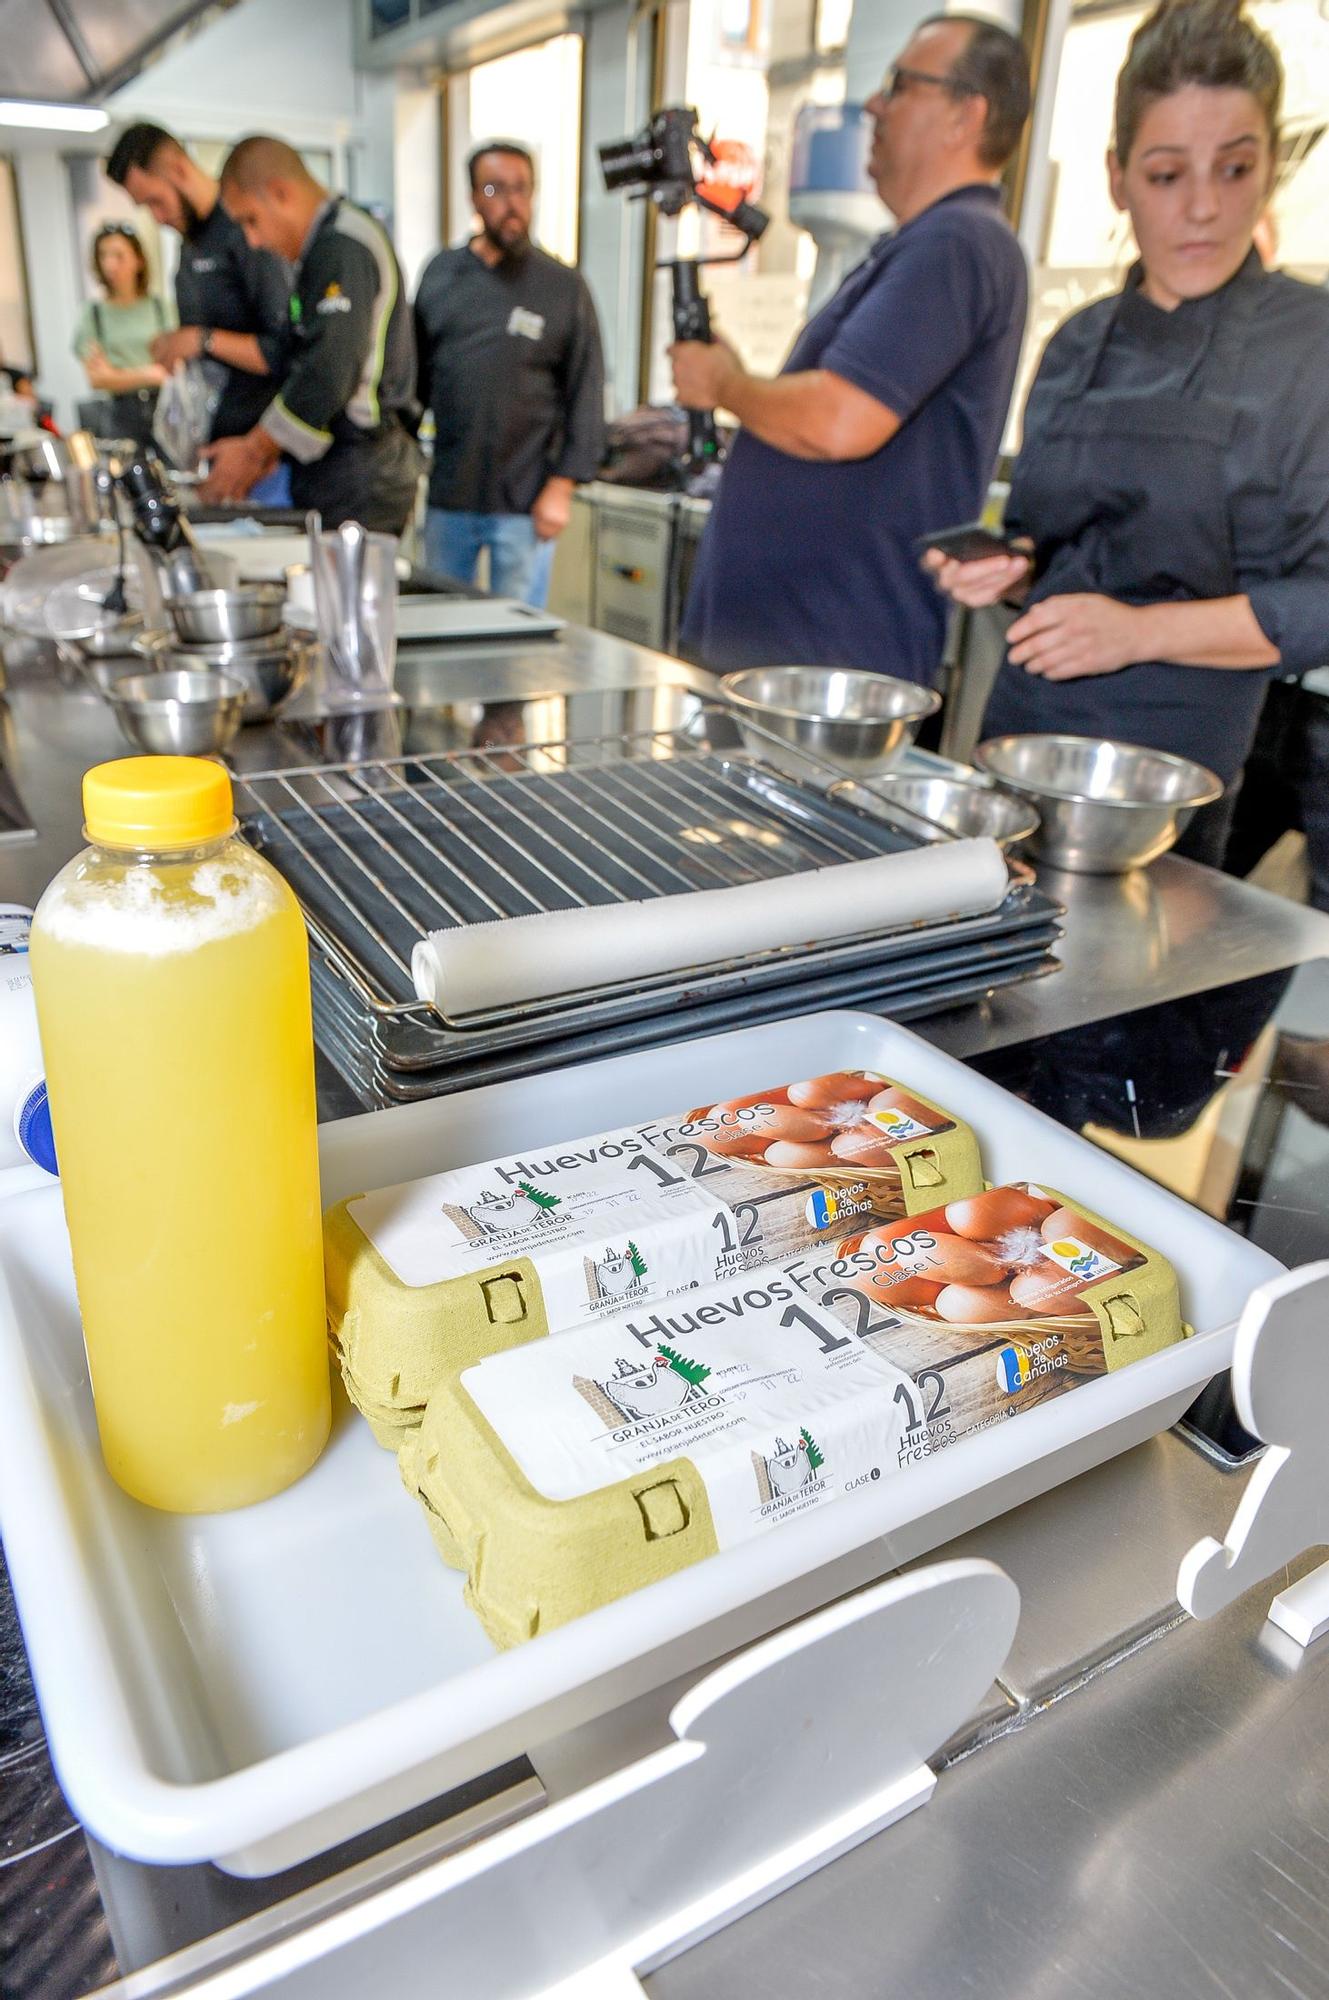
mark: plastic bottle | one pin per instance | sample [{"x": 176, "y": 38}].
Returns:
[
  {"x": 172, "y": 983},
  {"x": 25, "y": 1118}
]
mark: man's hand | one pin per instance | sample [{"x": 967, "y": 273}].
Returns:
[
  {"x": 1065, "y": 638},
  {"x": 703, "y": 371},
  {"x": 552, "y": 510},
  {"x": 183, "y": 343},
  {"x": 235, "y": 464}
]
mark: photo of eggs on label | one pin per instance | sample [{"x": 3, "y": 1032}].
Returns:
[
  {"x": 837, "y": 1125},
  {"x": 1008, "y": 1256}
]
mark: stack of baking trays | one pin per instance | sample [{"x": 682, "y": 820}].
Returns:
[{"x": 381, "y": 853}]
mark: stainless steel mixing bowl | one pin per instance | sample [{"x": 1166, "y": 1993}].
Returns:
[
  {"x": 959, "y": 805},
  {"x": 1105, "y": 807},
  {"x": 107, "y": 641},
  {"x": 271, "y": 670},
  {"x": 210, "y": 617},
  {"x": 177, "y": 714},
  {"x": 859, "y": 721}
]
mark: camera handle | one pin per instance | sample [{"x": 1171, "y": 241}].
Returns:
[
  {"x": 692, "y": 321},
  {"x": 692, "y": 314}
]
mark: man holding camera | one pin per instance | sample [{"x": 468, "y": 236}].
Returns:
[
  {"x": 510, "y": 364},
  {"x": 885, "y": 422}
]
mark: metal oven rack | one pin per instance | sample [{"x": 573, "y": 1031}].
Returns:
[{"x": 381, "y": 852}]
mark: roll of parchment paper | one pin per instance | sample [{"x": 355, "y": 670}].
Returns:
[{"x": 481, "y": 966}]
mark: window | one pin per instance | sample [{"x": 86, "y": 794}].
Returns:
[
  {"x": 534, "y": 97},
  {"x": 16, "y": 345},
  {"x": 749, "y": 68}
]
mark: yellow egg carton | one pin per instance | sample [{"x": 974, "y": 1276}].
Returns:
[
  {"x": 564, "y": 1475},
  {"x": 433, "y": 1275}
]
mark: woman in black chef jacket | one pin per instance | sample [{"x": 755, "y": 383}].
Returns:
[{"x": 1174, "y": 474}]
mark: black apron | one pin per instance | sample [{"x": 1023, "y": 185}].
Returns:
[{"x": 1134, "y": 484}]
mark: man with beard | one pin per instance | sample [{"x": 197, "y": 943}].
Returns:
[
  {"x": 345, "y": 415},
  {"x": 510, "y": 364},
  {"x": 231, "y": 300}
]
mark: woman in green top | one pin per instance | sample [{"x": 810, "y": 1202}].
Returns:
[{"x": 113, "y": 335}]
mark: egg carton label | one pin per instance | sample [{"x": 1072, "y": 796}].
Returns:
[
  {"x": 778, "y": 1412},
  {"x": 15, "y": 924},
  {"x": 653, "y": 1209},
  {"x": 1080, "y": 1259},
  {"x": 899, "y": 1125},
  {"x": 601, "y": 1237},
  {"x": 791, "y": 1386}
]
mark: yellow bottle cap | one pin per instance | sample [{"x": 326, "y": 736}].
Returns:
[{"x": 157, "y": 802}]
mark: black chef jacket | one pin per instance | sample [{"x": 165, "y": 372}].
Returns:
[
  {"x": 1170, "y": 456},
  {"x": 510, "y": 364},
  {"x": 220, "y": 283},
  {"x": 346, "y": 413}
]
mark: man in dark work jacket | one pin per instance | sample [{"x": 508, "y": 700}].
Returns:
[
  {"x": 510, "y": 364},
  {"x": 231, "y": 300},
  {"x": 345, "y": 415}
]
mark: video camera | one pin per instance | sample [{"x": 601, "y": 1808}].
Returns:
[{"x": 657, "y": 164}]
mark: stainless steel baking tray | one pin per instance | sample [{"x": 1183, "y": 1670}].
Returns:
[
  {"x": 341, "y": 1034},
  {"x": 384, "y": 851}
]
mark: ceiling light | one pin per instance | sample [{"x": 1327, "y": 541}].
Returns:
[{"x": 53, "y": 117}]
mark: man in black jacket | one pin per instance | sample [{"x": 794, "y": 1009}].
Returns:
[
  {"x": 231, "y": 300},
  {"x": 345, "y": 415},
  {"x": 510, "y": 364}
]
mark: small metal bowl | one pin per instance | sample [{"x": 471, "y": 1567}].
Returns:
[
  {"x": 957, "y": 804},
  {"x": 1104, "y": 806},
  {"x": 116, "y": 637},
  {"x": 857, "y": 720},
  {"x": 270, "y": 671},
  {"x": 174, "y": 714},
  {"x": 212, "y": 617}
]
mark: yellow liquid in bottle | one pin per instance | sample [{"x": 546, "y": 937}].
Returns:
[{"x": 182, "y": 1098}]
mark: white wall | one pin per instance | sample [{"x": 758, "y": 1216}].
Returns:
[
  {"x": 283, "y": 66},
  {"x": 55, "y": 294}
]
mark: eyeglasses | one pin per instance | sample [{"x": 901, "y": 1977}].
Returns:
[
  {"x": 896, "y": 78},
  {"x": 116, "y": 229},
  {"x": 510, "y": 190}
]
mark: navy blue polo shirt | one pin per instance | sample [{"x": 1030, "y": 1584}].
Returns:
[{"x": 805, "y": 562}]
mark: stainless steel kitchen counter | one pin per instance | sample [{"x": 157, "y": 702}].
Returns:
[
  {"x": 1171, "y": 929},
  {"x": 1143, "y": 1805}
]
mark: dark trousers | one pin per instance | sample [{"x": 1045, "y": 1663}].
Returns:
[{"x": 1286, "y": 785}]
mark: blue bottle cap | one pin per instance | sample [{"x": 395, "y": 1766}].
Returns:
[{"x": 34, "y": 1129}]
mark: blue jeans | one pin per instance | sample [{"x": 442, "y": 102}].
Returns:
[{"x": 519, "y": 563}]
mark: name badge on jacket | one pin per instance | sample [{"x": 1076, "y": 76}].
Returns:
[{"x": 529, "y": 323}]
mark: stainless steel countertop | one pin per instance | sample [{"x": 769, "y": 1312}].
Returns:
[
  {"x": 1140, "y": 1807},
  {"x": 1171, "y": 929}
]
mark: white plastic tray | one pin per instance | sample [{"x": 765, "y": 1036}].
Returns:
[{"x": 254, "y": 1687}]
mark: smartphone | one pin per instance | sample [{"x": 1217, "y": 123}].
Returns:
[{"x": 970, "y": 542}]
